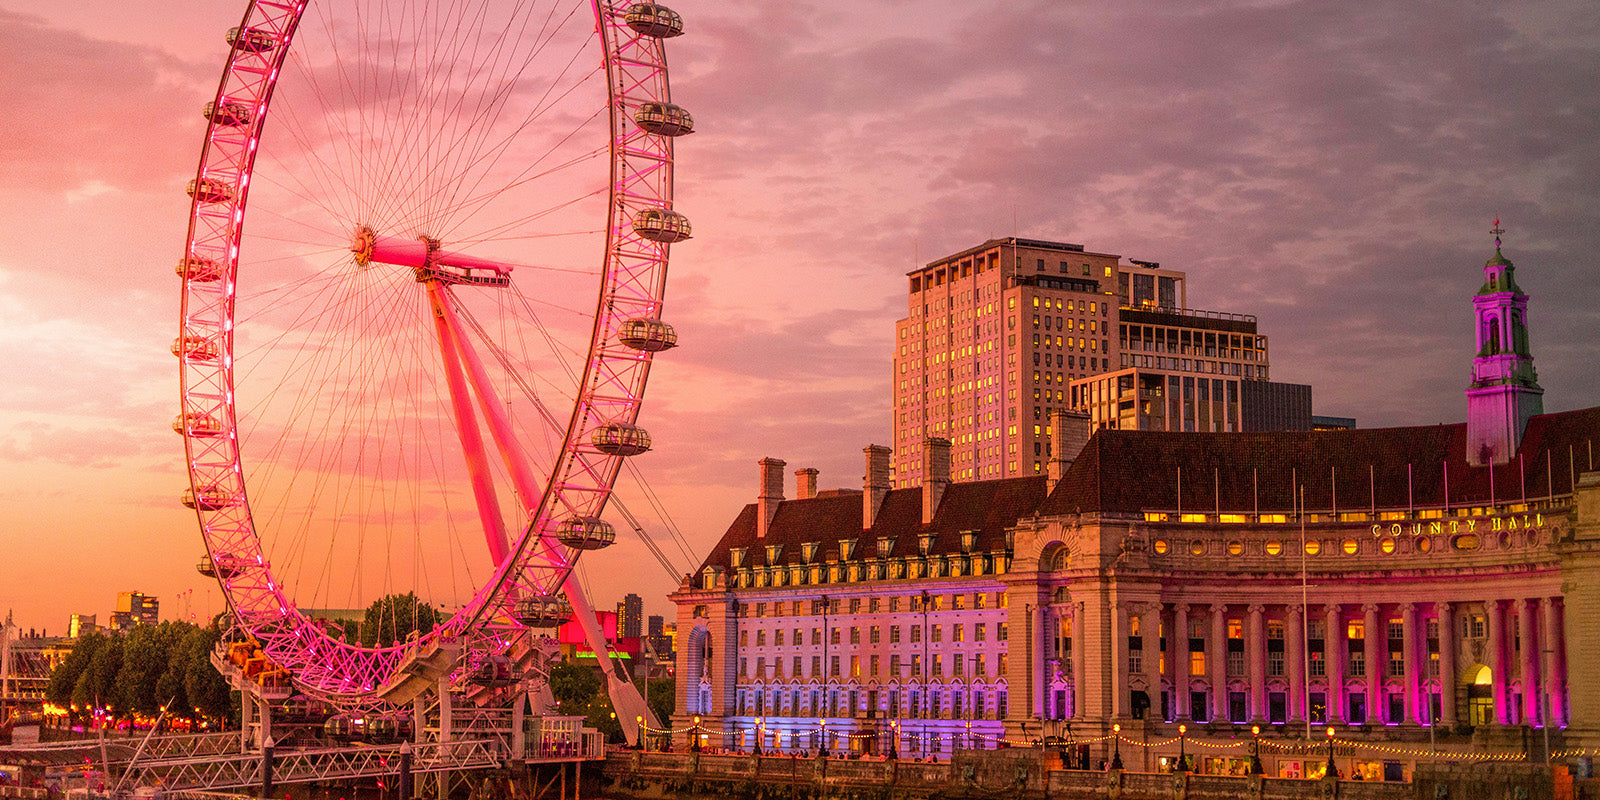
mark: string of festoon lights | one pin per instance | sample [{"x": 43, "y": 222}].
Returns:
[{"x": 1305, "y": 746}]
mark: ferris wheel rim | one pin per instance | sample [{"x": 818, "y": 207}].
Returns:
[{"x": 609, "y": 394}]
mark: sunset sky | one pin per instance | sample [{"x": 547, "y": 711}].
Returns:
[{"x": 1332, "y": 168}]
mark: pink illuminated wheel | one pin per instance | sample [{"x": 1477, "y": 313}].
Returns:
[{"x": 416, "y": 363}]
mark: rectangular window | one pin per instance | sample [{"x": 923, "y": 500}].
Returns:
[
  {"x": 894, "y": 666},
  {"x": 855, "y": 635},
  {"x": 1318, "y": 708},
  {"x": 1236, "y": 708},
  {"x": 958, "y": 666},
  {"x": 916, "y": 634},
  {"x": 874, "y": 667},
  {"x": 816, "y": 666},
  {"x": 938, "y": 633},
  {"x": 873, "y": 634},
  {"x": 1197, "y": 663},
  {"x": 979, "y": 631},
  {"x": 1277, "y": 708},
  {"x": 1358, "y": 708},
  {"x": 1397, "y": 709},
  {"x": 1001, "y": 633},
  {"x": 855, "y": 666},
  {"x": 958, "y": 632},
  {"x": 894, "y": 634},
  {"x": 797, "y": 667},
  {"x": 833, "y": 666}
]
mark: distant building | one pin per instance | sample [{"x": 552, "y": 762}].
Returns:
[
  {"x": 135, "y": 608},
  {"x": 656, "y": 635},
  {"x": 630, "y": 617},
  {"x": 1274, "y": 406},
  {"x": 80, "y": 624},
  {"x": 1319, "y": 423}
]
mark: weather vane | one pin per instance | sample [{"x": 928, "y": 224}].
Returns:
[{"x": 1497, "y": 230}]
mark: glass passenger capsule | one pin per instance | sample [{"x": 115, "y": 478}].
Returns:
[
  {"x": 619, "y": 439},
  {"x": 209, "y": 498},
  {"x": 544, "y": 611},
  {"x": 210, "y": 190},
  {"x": 197, "y": 423},
  {"x": 221, "y": 565},
  {"x": 232, "y": 115},
  {"x": 648, "y": 334},
  {"x": 654, "y": 19},
  {"x": 195, "y": 348},
  {"x": 250, "y": 40},
  {"x": 664, "y": 119},
  {"x": 586, "y": 533},
  {"x": 662, "y": 225},
  {"x": 199, "y": 269}
]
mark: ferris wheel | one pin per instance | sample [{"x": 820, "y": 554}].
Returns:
[{"x": 459, "y": 221}]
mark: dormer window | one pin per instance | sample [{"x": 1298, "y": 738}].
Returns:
[
  {"x": 925, "y": 543},
  {"x": 967, "y": 540},
  {"x": 773, "y": 551},
  {"x": 808, "y": 551},
  {"x": 847, "y": 549},
  {"x": 736, "y": 557},
  {"x": 885, "y": 546}
]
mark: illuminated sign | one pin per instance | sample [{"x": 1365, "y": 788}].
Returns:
[{"x": 1432, "y": 526}]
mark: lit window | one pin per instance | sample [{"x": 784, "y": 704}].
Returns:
[
  {"x": 1197, "y": 547},
  {"x": 1235, "y": 518},
  {"x": 1235, "y": 548},
  {"x": 1313, "y": 548},
  {"x": 1387, "y": 545},
  {"x": 1154, "y": 516},
  {"x": 1351, "y": 546},
  {"x": 1192, "y": 518},
  {"x": 1161, "y": 547}
]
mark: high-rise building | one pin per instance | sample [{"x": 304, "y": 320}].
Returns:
[
  {"x": 630, "y": 616},
  {"x": 135, "y": 608},
  {"x": 999, "y": 336}
]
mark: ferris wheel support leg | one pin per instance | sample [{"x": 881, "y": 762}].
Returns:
[
  {"x": 625, "y": 697},
  {"x": 494, "y": 411},
  {"x": 519, "y": 737},
  {"x": 494, "y": 528},
  {"x": 246, "y": 719}
]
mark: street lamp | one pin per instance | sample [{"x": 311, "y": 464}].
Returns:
[
  {"x": 694, "y": 735},
  {"x": 639, "y": 721},
  {"x": 1333, "y": 769},
  {"x": 894, "y": 739},
  {"x": 1183, "y": 757},
  {"x": 1255, "y": 750},
  {"x": 823, "y": 751},
  {"x": 1116, "y": 753},
  {"x": 761, "y": 733}
]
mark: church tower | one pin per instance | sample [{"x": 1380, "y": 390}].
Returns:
[{"x": 1504, "y": 391}]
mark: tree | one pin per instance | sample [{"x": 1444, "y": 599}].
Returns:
[
  {"x": 662, "y": 698},
  {"x": 394, "y": 618}
]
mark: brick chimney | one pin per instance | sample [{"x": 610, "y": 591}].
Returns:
[
  {"x": 771, "y": 494},
  {"x": 935, "y": 475},
  {"x": 1069, "y": 432},
  {"x": 875, "y": 484},
  {"x": 805, "y": 483}
]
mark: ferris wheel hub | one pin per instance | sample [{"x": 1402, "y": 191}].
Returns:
[{"x": 428, "y": 259}]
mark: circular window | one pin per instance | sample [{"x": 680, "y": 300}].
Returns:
[
  {"x": 1235, "y": 548},
  {"x": 1532, "y": 538},
  {"x": 1424, "y": 544},
  {"x": 1387, "y": 545},
  {"x": 1351, "y": 546},
  {"x": 1466, "y": 541},
  {"x": 1198, "y": 546},
  {"x": 1274, "y": 548},
  {"x": 1504, "y": 541},
  {"x": 1313, "y": 547},
  {"x": 1161, "y": 547}
]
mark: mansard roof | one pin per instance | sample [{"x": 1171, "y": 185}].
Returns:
[
  {"x": 1136, "y": 471},
  {"x": 1355, "y": 470},
  {"x": 986, "y": 508}
]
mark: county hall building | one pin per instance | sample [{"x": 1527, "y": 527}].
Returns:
[{"x": 1411, "y": 589}]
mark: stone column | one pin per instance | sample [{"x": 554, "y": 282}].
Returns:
[
  {"x": 1529, "y": 668},
  {"x": 1219, "y": 662},
  {"x": 1180, "y": 661},
  {"x": 1119, "y": 661},
  {"x": 1447, "y": 664},
  {"x": 1294, "y": 645},
  {"x": 1408, "y": 629},
  {"x": 1256, "y": 650},
  {"x": 1333, "y": 644},
  {"x": 1150, "y": 633},
  {"x": 1037, "y": 626},
  {"x": 1553, "y": 671},
  {"x": 1497, "y": 657},
  {"x": 1374, "y": 633},
  {"x": 1078, "y": 665}
]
